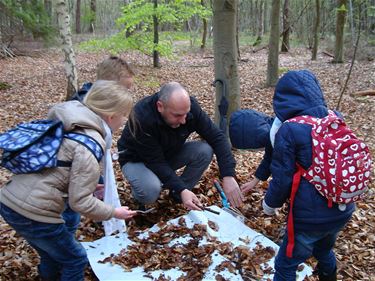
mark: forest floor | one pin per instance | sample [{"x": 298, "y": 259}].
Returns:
[{"x": 38, "y": 82}]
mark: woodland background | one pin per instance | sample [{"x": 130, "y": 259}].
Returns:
[{"x": 190, "y": 48}]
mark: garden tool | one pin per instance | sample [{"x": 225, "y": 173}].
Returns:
[{"x": 226, "y": 205}]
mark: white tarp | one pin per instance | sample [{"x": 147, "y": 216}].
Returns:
[{"x": 230, "y": 229}]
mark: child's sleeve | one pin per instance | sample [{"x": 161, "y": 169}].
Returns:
[
  {"x": 264, "y": 169},
  {"x": 282, "y": 168}
]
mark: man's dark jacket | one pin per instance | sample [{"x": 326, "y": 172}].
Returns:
[{"x": 156, "y": 142}]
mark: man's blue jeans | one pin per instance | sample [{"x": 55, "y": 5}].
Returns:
[
  {"x": 315, "y": 243},
  {"x": 195, "y": 156},
  {"x": 61, "y": 255}
]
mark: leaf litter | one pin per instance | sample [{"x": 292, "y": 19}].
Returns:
[{"x": 39, "y": 82}]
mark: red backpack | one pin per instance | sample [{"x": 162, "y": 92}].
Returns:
[{"x": 340, "y": 169}]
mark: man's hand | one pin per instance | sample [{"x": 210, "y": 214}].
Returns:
[
  {"x": 232, "y": 191},
  {"x": 190, "y": 200},
  {"x": 245, "y": 188}
]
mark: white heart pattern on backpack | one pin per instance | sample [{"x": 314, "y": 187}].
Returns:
[{"x": 354, "y": 147}]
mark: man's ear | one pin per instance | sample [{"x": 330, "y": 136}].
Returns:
[{"x": 160, "y": 106}]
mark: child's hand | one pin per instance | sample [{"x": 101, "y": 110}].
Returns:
[
  {"x": 124, "y": 213},
  {"x": 245, "y": 188},
  {"x": 99, "y": 191},
  {"x": 267, "y": 209}
]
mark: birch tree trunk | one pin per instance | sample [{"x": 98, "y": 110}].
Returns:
[
  {"x": 67, "y": 47},
  {"x": 273, "y": 50},
  {"x": 225, "y": 56}
]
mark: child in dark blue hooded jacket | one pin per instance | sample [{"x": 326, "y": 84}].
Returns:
[
  {"x": 249, "y": 129},
  {"x": 316, "y": 225}
]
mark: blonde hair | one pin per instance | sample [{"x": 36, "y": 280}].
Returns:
[
  {"x": 113, "y": 68},
  {"x": 108, "y": 98}
]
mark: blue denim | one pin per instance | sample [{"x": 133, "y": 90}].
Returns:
[
  {"x": 62, "y": 257},
  {"x": 71, "y": 218},
  {"x": 315, "y": 243}
]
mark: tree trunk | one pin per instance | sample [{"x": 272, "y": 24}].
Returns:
[
  {"x": 340, "y": 24},
  {"x": 286, "y": 27},
  {"x": 238, "y": 34},
  {"x": 48, "y": 8},
  {"x": 316, "y": 30},
  {"x": 225, "y": 56},
  {"x": 78, "y": 17},
  {"x": 273, "y": 50},
  {"x": 260, "y": 24},
  {"x": 155, "y": 52},
  {"x": 204, "y": 34},
  {"x": 93, "y": 15},
  {"x": 265, "y": 17},
  {"x": 351, "y": 21},
  {"x": 67, "y": 47}
]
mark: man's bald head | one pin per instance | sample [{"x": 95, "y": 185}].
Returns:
[{"x": 173, "y": 104}]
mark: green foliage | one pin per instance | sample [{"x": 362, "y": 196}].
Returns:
[
  {"x": 137, "y": 20},
  {"x": 33, "y": 16},
  {"x": 4, "y": 86},
  {"x": 142, "y": 42},
  {"x": 88, "y": 16},
  {"x": 342, "y": 9},
  {"x": 371, "y": 11},
  {"x": 283, "y": 70}
]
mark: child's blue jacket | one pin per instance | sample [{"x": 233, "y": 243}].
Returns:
[{"x": 299, "y": 93}]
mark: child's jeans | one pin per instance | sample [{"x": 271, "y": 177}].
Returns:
[
  {"x": 306, "y": 244},
  {"x": 61, "y": 255}
]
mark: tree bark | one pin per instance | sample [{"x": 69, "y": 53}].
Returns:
[
  {"x": 316, "y": 30},
  {"x": 286, "y": 28},
  {"x": 67, "y": 47},
  {"x": 340, "y": 24},
  {"x": 205, "y": 26},
  {"x": 48, "y": 8},
  {"x": 155, "y": 52},
  {"x": 225, "y": 56},
  {"x": 260, "y": 23},
  {"x": 78, "y": 17},
  {"x": 273, "y": 51},
  {"x": 93, "y": 15}
]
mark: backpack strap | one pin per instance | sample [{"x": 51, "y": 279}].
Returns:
[
  {"x": 290, "y": 226},
  {"x": 85, "y": 140}
]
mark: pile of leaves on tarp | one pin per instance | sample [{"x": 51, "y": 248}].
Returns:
[
  {"x": 155, "y": 252},
  {"x": 38, "y": 83}
]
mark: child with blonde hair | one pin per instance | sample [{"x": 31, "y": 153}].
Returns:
[{"x": 33, "y": 203}]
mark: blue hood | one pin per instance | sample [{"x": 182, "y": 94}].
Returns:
[
  {"x": 298, "y": 93},
  {"x": 249, "y": 129}
]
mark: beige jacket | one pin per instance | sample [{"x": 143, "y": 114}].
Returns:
[{"x": 42, "y": 196}]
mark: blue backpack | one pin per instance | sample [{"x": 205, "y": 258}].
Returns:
[{"x": 30, "y": 147}]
